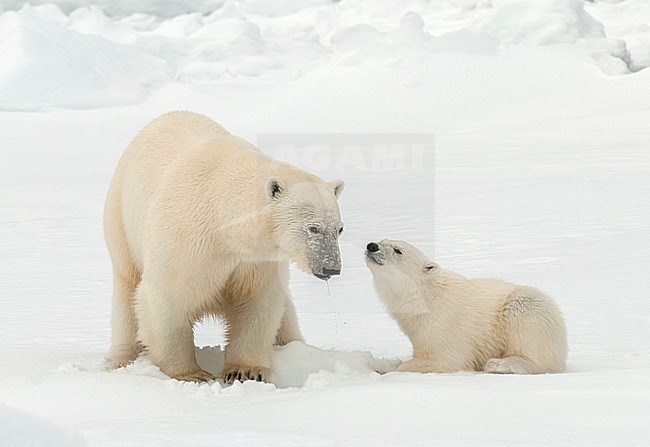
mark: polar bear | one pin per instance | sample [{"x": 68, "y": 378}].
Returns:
[
  {"x": 459, "y": 324},
  {"x": 199, "y": 222}
]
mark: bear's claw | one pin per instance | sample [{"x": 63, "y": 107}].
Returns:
[{"x": 243, "y": 374}]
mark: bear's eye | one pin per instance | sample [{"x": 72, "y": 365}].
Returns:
[
  {"x": 397, "y": 250},
  {"x": 313, "y": 229},
  {"x": 341, "y": 230}
]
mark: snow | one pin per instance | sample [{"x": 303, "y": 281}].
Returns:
[
  {"x": 90, "y": 54},
  {"x": 39, "y": 58},
  {"x": 541, "y": 22},
  {"x": 20, "y": 429},
  {"x": 504, "y": 138}
]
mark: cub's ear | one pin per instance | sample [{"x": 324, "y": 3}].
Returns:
[
  {"x": 431, "y": 267},
  {"x": 338, "y": 186},
  {"x": 274, "y": 187}
]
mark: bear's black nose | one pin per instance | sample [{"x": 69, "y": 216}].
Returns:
[
  {"x": 372, "y": 247},
  {"x": 331, "y": 272}
]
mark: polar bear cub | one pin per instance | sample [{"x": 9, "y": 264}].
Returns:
[{"x": 460, "y": 324}]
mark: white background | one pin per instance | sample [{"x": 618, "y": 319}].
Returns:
[{"x": 540, "y": 111}]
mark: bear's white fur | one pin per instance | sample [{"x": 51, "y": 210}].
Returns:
[
  {"x": 460, "y": 324},
  {"x": 199, "y": 222}
]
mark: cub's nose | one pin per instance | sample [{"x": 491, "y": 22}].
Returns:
[
  {"x": 331, "y": 272},
  {"x": 372, "y": 247}
]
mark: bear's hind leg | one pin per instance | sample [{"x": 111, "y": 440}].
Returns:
[
  {"x": 535, "y": 335},
  {"x": 289, "y": 328},
  {"x": 126, "y": 276},
  {"x": 125, "y": 347},
  {"x": 167, "y": 331}
]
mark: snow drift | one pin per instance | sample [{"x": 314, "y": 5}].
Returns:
[
  {"x": 46, "y": 65},
  {"x": 119, "y": 53}
]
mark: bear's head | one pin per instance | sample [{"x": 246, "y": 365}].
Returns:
[
  {"x": 306, "y": 222},
  {"x": 398, "y": 262},
  {"x": 400, "y": 272}
]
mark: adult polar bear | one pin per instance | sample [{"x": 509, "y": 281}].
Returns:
[{"x": 199, "y": 222}]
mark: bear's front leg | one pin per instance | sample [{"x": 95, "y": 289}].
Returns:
[
  {"x": 255, "y": 304},
  {"x": 166, "y": 331}
]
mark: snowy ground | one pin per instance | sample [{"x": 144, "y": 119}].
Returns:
[{"x": 539, "y": 174}]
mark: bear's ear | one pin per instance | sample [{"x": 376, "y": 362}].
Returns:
[
  {"x": 431, "y": 267},
  {"x": 274, "y": 187},
  {"x": 338, "y": 186}
]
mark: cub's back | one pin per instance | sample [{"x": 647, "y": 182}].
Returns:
[{"x": 490, "y": 290}]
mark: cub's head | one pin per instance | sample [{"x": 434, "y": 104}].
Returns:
[
  {"x": 398, "y": 262},
  {"x": 307, "y": 222}
]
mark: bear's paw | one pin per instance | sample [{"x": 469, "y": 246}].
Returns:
[{"x": 243, "y": 373}]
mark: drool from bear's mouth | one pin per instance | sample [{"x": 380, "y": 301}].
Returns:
[{"x": 376, "y": 257}]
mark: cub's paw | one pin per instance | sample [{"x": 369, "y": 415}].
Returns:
[
  {"x": 244, "y": 373},
  {"x": 511, "y": 365},
  {"x": 499, "y": 366},
  {"x": 195, "y": 376},
  {"x": 417, "y": 366}
]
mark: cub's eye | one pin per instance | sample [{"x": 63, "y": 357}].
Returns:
[
  {"x": 314, "y": 229},
  {"x": 341, "y": 230},
  {"x": 397, "y": 250}
]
